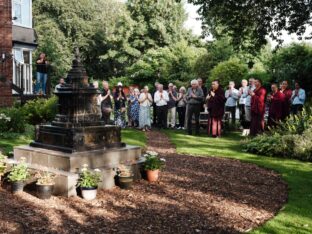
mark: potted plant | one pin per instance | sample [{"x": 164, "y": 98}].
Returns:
[
  {"x": 88, "y": 182},
  {"x": 2, "y": 165},
  {"x": 125, "y": 176},
  {"x": 152, "y": 165},
  {"x": 18, "y": 175},
  {"x": 45, "y": 184}
]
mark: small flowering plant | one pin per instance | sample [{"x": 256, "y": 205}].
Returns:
[
  {"x": 19, "y": 171},
  {"x": 45, "y": 178},
  {"x": 153, "y": 162},
  {"x": 89, "y": 178}
]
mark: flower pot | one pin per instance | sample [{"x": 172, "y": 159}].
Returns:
[
  {"x": 125, "y": 182},
  {"x": 89, "y": 193},
  {"x": 152, "y": 175},
  {"x": 17, "y": 186},
  {"x": 44, "y": 191}
]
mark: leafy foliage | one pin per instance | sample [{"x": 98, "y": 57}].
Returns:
[
  {"x": 19, "y": 172},
  {"x": 153, "y": 162},
  {"x": 40, "y": 110},
  {"x": 45, "y": 178},
  {"x": 251, "y": 21},
  {"x": 293, "y": 63},
  {"x": 89, "y": 178},
  {"x": 231, "y": 70},
  {"x": 12, "y": 120}
]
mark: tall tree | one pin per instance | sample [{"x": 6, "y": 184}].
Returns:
[
  {"x": 253, "y": 20},
  {"x": 158, "y": 23}
]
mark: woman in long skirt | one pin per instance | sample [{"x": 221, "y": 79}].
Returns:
[
  {"x": 216, "y": 101},
  {"x": 120, "y": 106},
  {"x": 146, "y": 101},
  {"x": 135, "y": 107}
]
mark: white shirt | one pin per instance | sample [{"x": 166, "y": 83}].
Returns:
[
  {"x": 231, "y": 97},
  {"x": 248, "y": 97},
  {"x": 244, "y": 92},
  {"x": 298, "y": 100},
  {"x": 147, "y": 101},
  {"x": 161, "y": 101}
]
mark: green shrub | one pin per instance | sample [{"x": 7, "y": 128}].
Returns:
[
  {"x": 19, "y": 172},
  {"x": 12, "y": 120},
  {"x": 40, "y": 110},
  {"x": 303, "y": 145},
  {"x": 231, "y": 70}
]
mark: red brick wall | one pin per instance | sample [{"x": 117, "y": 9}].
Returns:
[{"x": 6, "y": 98}]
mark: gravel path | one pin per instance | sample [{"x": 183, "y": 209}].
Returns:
[{"x": 194, "y": 195}]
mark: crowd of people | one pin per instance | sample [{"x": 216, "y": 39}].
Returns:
[{"x": 181, "y": 108}]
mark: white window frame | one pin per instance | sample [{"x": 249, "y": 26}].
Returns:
[{"x": 30, "y": 13}]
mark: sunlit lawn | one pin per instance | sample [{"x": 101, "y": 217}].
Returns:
[{"x": 296, "y": 217}]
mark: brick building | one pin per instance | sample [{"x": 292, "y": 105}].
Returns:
[{"x": 17, "y": 42}]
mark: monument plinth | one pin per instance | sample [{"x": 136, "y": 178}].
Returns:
[{"x": 77, "y": 136}]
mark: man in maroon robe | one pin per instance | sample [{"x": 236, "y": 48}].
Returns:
[
  {"x": 276, "y": 110},
  {"x": 287, "y": 100},
  {"x": 216, "y": 101},
  {"x": 257, "y": 108}
]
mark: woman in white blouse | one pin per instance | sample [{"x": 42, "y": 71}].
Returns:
[{"x": 146, "y": 101}]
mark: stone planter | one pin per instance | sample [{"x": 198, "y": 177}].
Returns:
[
  {"x": 125, "y": 182},
  {"x": 17, "y": 186},
  {"x": 152, "y": 175},
  {"x": 44, "y": 191},
  {"x": 89, "y": 193}
]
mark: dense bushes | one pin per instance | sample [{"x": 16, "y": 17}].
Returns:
[
  {"x": 292, "y": 139},
  {"x": 12, "y": 120},
  {"x": 231, "y": 70},
  {"x": 40, "y": 110}
]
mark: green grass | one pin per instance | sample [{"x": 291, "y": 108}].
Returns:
[
  {"x": 133, "y": 137},
  {"x": 296, "y": 217}
]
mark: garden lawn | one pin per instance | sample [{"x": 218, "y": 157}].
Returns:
[
  {"x": 129, "y": 136},
  {"x": 296, "y": 216}
]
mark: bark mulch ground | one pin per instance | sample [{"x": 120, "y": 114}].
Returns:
[{"x": 194, "y": 195}]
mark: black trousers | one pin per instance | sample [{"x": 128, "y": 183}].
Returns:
[
  {"x": 162, "y": 112},
  {"x": 242, "y": 115},
  {"x": 181, "y": 114},
  {"x": 232, "y": 110},
  {"x": 295, "y": 109},
  {"x": 193, "y": 109},
  {"x": 154, "y": 115}
]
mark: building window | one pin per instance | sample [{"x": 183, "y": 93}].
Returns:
[{"x": 22, "y": 12}]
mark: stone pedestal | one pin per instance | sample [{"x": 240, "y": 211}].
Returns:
[{"x": 66, "y": 165}]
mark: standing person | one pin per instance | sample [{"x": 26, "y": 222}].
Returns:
[
  {"x": 106, "y": 103},
  {"x": 194, "y": 97},
  {"x": 130, "y": 96},
  {"x": 161, "y": 99},
  {"x": 276, "y": 102},
  {"x": 205, "y": 91},
  {"x": 146, "y": 101},
  {"x": 257, "y": 108},
  {"x": 135, "y": 107},
  {"x": 120, "y": 106},
  {"x": 60, "y": 84},
  {"x": 231, "y": 96},
  {"x": 172, "y": 106},
  {"x": 42, "y": 73},
  {"x": 181, "y": 107},
  {"x": 251, "y": 88},
  {"x": 98, "y": 99},
  {"x": 154, "y": 105},
  {"x": 216, "y": 100},
  {"x": 298, "y": 98},
  {"x": 287, "y": 100},
  {"x": 243, "y": 92}
]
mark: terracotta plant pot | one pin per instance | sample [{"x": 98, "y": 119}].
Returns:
[
  {"x": 152, "y": 175},
  {"x": 44, "y": 191},
  {"x": 125, "y": 182},
  {"x": 88, "y": 193},
  {"x": 17, "y": 186}
]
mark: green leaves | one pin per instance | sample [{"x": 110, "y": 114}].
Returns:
[{"x": 19, "y": 172}]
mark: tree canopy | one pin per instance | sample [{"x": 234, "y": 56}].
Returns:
[{"x": 248, "y": 22}]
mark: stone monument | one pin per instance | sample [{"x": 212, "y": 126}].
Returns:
[{"x": 77, "y": 136}]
